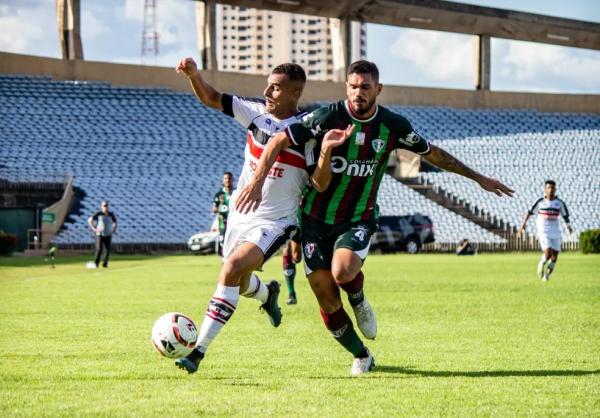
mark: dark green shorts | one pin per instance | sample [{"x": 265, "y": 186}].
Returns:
[
  {"x": 320, "y": 240},
  {"x": 297, "y": 236}
]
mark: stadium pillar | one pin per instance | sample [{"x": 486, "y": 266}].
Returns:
[
  {"x": 68, "y": 16},
  {"x": 481, "y": 61},
  {"x": 341, "y": 34},
  {"x": 206, "y": 25}
]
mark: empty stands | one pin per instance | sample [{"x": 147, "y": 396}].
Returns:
[{"x": 159, "y": 155}]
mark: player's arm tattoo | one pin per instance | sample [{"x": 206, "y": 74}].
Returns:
[{"x": 448, "y": 162}]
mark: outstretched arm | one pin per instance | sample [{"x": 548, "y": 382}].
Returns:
[
  {"x": 250, "y": 196},
  {"x": 446, "y": 161},
  {"x": 204, "y": 91}
]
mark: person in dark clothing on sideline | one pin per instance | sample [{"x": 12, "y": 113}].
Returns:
[
  {"x": 465, "y": 248},
  {"x": 104, "y": 225}
]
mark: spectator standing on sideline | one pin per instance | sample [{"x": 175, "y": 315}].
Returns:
[
  {"x": 221, "y": 206},
  {"x": 104, "y": 225}
]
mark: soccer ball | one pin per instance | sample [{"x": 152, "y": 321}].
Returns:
[{"x": 174, "y": 335}]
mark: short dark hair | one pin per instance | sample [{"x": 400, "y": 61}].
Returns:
[
  {"x": 228, "y": 173},
  {"x": 550, "y": 182},
  {"x": 293, "y": 71},
  {"x": 364, "y": 67}
]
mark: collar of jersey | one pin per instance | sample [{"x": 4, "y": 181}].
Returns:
[{"x": 347, "y": 107}]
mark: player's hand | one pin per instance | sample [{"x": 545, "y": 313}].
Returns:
[
  {"x": 495, "y": 186},
  {"x": 249, "y": 198},
  {"x": 519, "y": 232},
  {"x": 570, "y": 229},
  {"x": 336, "y": 137},
  {"x": 187, "y": 66}
]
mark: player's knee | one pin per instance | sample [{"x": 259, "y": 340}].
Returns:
[
  {"x": 233, "y": 268},
  {"x": 342, "y": 273}
]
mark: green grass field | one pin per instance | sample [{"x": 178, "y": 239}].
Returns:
[{"x": 457, "y": 336}]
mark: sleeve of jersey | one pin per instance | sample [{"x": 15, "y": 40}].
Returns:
[
  {"x": 113, "y": 217},
  {"x": 408, "y": 138},
  {"x": 96, "y": 215},
  {"x": 565, "y": 211},
  {"x": 242, "y": 109},
  {"x": 308, "y": 128},
  {"x": 533, "y": 208}
]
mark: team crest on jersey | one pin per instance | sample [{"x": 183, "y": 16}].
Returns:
[
  {"x": 309, "y": 249},
  {"x": 377, "y": 145}
]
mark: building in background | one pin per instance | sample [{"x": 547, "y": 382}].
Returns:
[{"x": 254, "y": 41}]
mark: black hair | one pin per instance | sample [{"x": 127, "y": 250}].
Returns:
[
  {"x": 550, "y": 182},
  {"x": 293, "y": 71},
  {"x": 228, "y": 173},
  {"x": 364, "y": 67}
]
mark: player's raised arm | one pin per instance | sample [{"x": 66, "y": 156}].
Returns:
[
  {"x": 321, "y": 177},
  {"x": 250, "y": 196},
  {"x": 204, "y": 91},
  {"x": 446, "y": 161}
]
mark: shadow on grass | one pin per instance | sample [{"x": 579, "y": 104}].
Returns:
[{"x": 484, "y": 373}]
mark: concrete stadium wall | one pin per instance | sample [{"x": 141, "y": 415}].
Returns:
[{"x": 252, "y": 85}]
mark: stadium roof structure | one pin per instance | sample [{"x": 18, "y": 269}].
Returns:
[{"x": 445, "y": 16}]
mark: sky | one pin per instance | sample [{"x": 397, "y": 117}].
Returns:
[{"x": 112, "y": 30}]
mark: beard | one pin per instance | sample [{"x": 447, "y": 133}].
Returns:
[{"x": 365, "y": 106}]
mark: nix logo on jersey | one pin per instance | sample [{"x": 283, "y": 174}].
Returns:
[{"x": 357, "y": 168}]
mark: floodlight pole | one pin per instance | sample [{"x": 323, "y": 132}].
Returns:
[{"x": 68, "y": 19}]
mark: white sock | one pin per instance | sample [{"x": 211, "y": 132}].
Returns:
[
  {"x": 256, "y": 289},
  {"x": 543, "y": 260},
  {"x": 550, "y": 268},
  {"x": 220, "y": 308}
]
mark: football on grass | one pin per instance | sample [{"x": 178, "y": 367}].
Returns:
[{"x": 174, "y": 335}]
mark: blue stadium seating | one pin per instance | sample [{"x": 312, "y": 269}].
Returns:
[{"x": 159, "y": 155}]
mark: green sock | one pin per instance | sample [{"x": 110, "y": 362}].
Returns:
[
  {"x": 289, "y": 272},
  {"x": 340, "y": 326}
]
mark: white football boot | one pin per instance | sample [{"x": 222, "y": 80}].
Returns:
[
  {"x": 365, "y": 319},
  {"x": 541, "y": 270},
  {"x": 362, "y": 365}
]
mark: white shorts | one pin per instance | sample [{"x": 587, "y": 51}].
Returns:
[
  {"x": 547, "y": 242},
  {"x": 266, "y": 234}
]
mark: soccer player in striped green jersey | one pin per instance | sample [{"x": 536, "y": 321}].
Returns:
[{"x": 347, "y": 145}]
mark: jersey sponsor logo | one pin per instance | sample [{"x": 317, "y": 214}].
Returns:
[
  {"x": 309, "y": 250},
  {"x": 356, "y": 168},
  {"x": 377, "y": 145},
  {"x": 274, "y": 172},
  {"x": 411, "y": 139}
]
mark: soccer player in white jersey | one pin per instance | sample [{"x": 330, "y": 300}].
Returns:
[
  {"x": 548, "y": 209},
  {"x": 252, "y": 238}
]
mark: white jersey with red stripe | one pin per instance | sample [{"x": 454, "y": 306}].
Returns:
[
  {"x": 548, "y": 212},
  {"x": 283, "y": 187}
]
